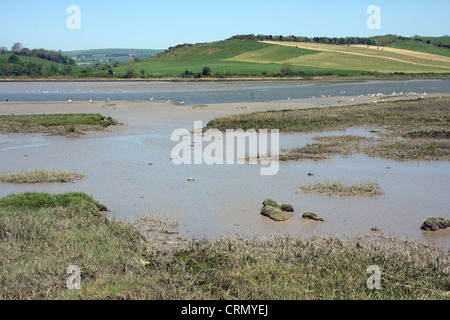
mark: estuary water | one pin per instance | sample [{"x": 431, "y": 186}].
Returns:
[
  {"x": 131, "y": 172},
  {"x": 196, "y": 93}
]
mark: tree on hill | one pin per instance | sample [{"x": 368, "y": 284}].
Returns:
[
  {"x": 13, "y": 59},
  {"x": 17, "y": 47},
  {"x": 206, "y": 71}
]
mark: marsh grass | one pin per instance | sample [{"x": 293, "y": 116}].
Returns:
[
  {"x": 410, "y": 149},
  {"x": 400, "y": 115},
  {"x": 398, "y": 150},
  {"x": 312, "y": 216},
  {"x": 327, "y": 147},
  {"x": 41, "y": 235},
  {"x": 423, "y": 125},
  {"x": 275, "y": 211},
  {"x": 54, "y": 124},
  {"x": 41, "y": 176},
  {"x": 364, "y": 189}
]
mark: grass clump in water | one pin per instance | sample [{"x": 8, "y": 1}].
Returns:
[
  {"x": 41, "y": 176},
  {"x": 271, "y": 203},
  {"x": 336, "y": 188},
  {"x": 435, "y": 223},
  {"x": 275, "y": 211},
  {"x": 54, "y": 124},
  {"x": 312, "y": 216}
]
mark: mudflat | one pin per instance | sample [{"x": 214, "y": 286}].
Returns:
[{"x": 128, "y": 167}]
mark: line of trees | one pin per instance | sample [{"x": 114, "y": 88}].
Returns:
[
  {"x": 373, "y": 41},
  {"x": 439, "y": 44},
  {"x": 14, "y": 66},
  {"x": 49, "y": 55}
]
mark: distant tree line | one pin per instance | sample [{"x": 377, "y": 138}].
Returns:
[
  {"x": 373, "y": 41},
  {"x": 49, "y": 55},
  {"x": 14, "y": 66},
  {"x": 439, "y": 44}
]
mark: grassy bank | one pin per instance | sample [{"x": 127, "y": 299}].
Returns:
[
  {"x": 42, "y": 235},
  {"x": 54, "y": 124},
  {"x": 406, "y": 130}
]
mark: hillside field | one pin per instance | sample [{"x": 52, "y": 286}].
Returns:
[{"x": 266, "y": 58}]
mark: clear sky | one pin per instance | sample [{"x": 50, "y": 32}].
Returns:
[{"x": 160, "y": 24}]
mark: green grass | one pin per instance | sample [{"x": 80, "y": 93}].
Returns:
[
  {"x": 41, "y": 176},
  {"x": 56, "y": 124},
  {"x": 275, "y": 211},
  {"x": 369, "y": 59},
  {"x": 41, "y": 235},
  {"x": 421, "y": 47}
]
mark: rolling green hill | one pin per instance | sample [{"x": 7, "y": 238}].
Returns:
[
  {"x": 220, "y": 57},
  {"x": 276, "y": 58}
]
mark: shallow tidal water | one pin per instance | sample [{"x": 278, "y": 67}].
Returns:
[
  {"x": 131, "y": 172},
  {"x": 192, "y": 93}
]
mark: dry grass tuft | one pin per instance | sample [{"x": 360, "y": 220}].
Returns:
[{"x": 365, "y": 189}]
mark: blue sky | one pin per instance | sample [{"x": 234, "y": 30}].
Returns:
[{"x": 160, "y": 24}]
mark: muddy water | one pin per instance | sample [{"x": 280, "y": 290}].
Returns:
[{"x": 130, "y": 171}]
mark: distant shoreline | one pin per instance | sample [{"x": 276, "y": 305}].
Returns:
[{"x": 243, "y": 79}]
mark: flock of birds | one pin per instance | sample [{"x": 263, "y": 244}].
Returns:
[{"x": 378, "y": 95}]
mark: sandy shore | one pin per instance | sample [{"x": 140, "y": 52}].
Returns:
[{"x": 169, "y": 110}]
